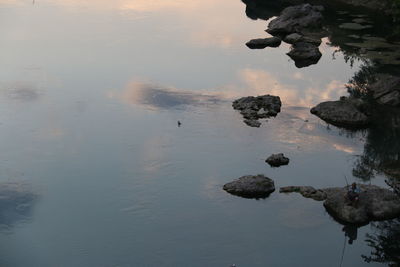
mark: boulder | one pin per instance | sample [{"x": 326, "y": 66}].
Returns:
[
  {"x": 374, "y": 204},
  {"x": 296, "y": 19},
  {"x": 255, "y": 108},
  {"x": 342, "y": 113},
  {"x": 263, "y": 43},
  {"x": 276, "y": 160},
  {"x": 304, "y": 54},
  {"x": 251, "y": 186}
]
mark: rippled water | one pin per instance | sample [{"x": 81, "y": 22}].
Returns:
[{"x": 90, "y": 95}]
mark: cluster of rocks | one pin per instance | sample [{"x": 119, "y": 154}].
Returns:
[
  {"x": 255, "y": 108},
  {"x": 374, "y": 204},
  {"x": 353, "y": 113},
  {"x": 300, "y": 26}
]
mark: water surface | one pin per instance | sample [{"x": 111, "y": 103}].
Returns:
[{"x": 90, "y": 95}]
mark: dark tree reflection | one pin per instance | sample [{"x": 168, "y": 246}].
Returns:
[{"x": 384, "y": 243}]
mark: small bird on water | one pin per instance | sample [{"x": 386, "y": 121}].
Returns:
[{"x": 179, "y": 124}]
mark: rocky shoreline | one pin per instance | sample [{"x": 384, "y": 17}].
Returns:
[
  {"x": 302, "y": 27},
  {"x": 375, "y": 203}
]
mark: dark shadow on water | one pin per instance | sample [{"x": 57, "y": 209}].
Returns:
[
  {"x": 21, "y": 92},
  {"x": 160, "y": 97},
  {"x": 16, "y": 203},
  {"x": 384, "y": 242}
]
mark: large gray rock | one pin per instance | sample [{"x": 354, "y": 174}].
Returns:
[
  {"x": 375, "y": 203},
  {"x": 296, "y": 19},
  {"x": 276, "y": 160},
  {"x": 255, "y": 108},
  {"x": 342, "y": 113},
  {"x": 251, "y": 186},
  {"x": 386, "y": 90},
  {"x": 263, "y": 43},
  {"x": 304, "y": 54}
]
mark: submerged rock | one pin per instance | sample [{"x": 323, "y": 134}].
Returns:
[
  {"x": 342, "y": 113},
  {"x": 251, "y": 186},
  {"x": 375, "y": 203},
  {"x": 252, "y": 123},
  {"x": 305, "y": 191},
  {"x": 296, "y": 19},
  {"x": 255, "y": 108},
  {"x": 304, "y": 54},
  {"x": 296, "y": 38},
  {"x": 263, "y": 43},
  {"x": 293, "y": 38},
  {"x": 276, "y": 160}
]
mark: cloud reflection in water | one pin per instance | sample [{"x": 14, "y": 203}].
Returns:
[
  {"x": 16, "y": 203},
  {"x": 160, "y": 97}
]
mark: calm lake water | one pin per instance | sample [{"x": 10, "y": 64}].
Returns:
[{"x": 90, "y": 95}]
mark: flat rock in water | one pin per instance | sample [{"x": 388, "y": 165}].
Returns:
[
  {"x": 341, "y": 113},
  {"x": 276, "y": 160},
  {"x": 305, "y": 191},
  {"x": 296, "y": 19},
  {"x": 304, "y": 54},
  {"x": 251, "y": 186},
  {"x": 255, "y": 108},
  {"x": 375, "y": 203},
  {"x": 263, "y": 43}
]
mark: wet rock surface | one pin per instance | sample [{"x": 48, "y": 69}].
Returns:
[
  {"x": 375, "y": 203},
  {"x": 342, "y": 113},
  {"x": 264, "y": 42},
  {"x": 305, "y": 191},
  {"x": 304, "y": 54},
  {"x": 255, "y": 108},
  {"x": 296, "y": 38},
  {"x": 296, "y": 19},
  {"x": 251, "y": 186},
  {"x": 276, "y": 160}
]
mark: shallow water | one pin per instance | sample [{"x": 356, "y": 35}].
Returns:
[{"x": 90, "y": 95}]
